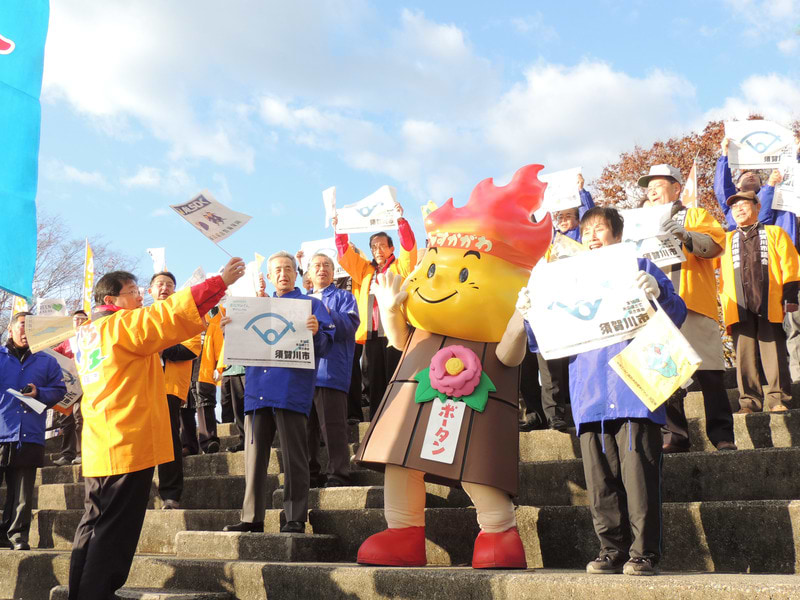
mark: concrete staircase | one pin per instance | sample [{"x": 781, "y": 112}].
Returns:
[{"x": 731, "y": 530}]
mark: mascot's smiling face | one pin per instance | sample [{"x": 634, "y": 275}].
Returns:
[{"x": 464, "y": 294}]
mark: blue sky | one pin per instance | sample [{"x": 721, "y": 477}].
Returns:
[{"x": 266, "y": 104}]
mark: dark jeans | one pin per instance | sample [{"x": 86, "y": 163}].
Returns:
[
  {"x": 170, "y": 475},
  {"x": 233, "y": 396},
  {"x": 381, "y": 364}
]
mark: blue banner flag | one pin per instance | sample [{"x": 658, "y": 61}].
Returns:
[{"x": 23, "y": 30}]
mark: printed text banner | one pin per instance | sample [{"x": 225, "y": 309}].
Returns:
[
  {"x": 69, "y": 370},
  {"x": 787, "y": 193},
  {"x": 642, "y": 228},
  {"x": 49, "y": 331},
  {"x": 211, "y": 218},
  {"x": 587, "y": 302},
  {"x": 268, "y": 332},
  {"x": 374, "y": 213},
  {"x": 758, "y": 144}
]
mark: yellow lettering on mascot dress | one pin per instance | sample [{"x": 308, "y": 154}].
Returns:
[{"x": 449, "y": 414}]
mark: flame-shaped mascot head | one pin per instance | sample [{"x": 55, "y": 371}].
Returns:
[{"x": 479, "y": 256}]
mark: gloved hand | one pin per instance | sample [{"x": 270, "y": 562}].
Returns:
[
  {"x": 523, "y": 301},
  {"x": 669, "y": 225},
  {"x": 389, "y": 290},
  {"x": 648, "y": 284}
]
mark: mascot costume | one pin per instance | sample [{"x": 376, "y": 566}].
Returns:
[{"x": 449, "y": 415}]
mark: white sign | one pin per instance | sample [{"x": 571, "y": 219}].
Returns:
[
  {"x": 211, "y": 218},
  {"x": 327, "y": 247},
  {"x": 249, "y": 283},
  {"x": 39, "y": 407},
  {"x": 69, "y": 371},
  {"x": 444, "y": 427},
  {"x": 268, "y": 332},
  {"x": 374, "y": 213},
  {"x": 787, "y": 193},
  {"x": 758, "y": 144},
  {"x": 587, "y": 302},
  {"x": 198, "y": 276},
  {"x": 641, "y": 223},
  {"x": 662, "y": 250},
  {"x": 562, "y": 190},
  {"x": 159, "y": 256},
  {"x": 329, "y": 202},
  {"x": 46, "y": 332},
  {"x": 51, "y": 307}
]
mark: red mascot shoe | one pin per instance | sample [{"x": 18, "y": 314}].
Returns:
[
  {"x": 401, "y": 547},
  {"x": 499, "y": 551}
]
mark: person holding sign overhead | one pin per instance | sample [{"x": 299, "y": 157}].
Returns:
[
  {"x": 566, "y": 221},
  {"x": 702, "y": 240},
  {"x": 36, "y": 376}
]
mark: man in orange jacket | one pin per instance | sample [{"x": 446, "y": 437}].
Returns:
[{"x": 126, "y": 430}]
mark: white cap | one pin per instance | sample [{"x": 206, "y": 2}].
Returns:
[{"x": 663, "y": 170}]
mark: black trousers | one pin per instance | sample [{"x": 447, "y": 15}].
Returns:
[
  {"x": 382, "y": 361},
  {"x": 354, "y": 395},
  {"x": 71, "y": 427},
  {"x": 529, "y": 386},
  {"x": 328, "y": 418},
  {"x": 18, "y": 506},
  {"x": 719, "y": 417},
  {"x": 108, "y": 533},
  {"x": 555, "y": 387},
  {"x": 233, "y": 397},
  {"x": 170, "y": 475},
  {"x": 622, "y": 465},
  {"x": 205, "y": 399}
]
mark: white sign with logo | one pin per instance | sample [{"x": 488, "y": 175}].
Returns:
[
  {"x": 758, "y": 144},
  {"x": 328, "y": 248},
  {"x": 374, "y": 213},
  {"x": 268, "y": 332},
  {"x": 51, "y": 307},
  {"x": 69, "y": 371},
  {"x": 210, "y": 217},
  {"x": 562, "y": 190},
  {"x": 587, "y": 302},
  {"x": 642, "y": 228},
  {"x": 46, "y": 332}
]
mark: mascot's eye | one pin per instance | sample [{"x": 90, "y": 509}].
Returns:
[
  {"x": 463, "y": 275},
  {"x": 431, "y": 270}
]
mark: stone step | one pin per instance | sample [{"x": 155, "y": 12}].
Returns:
[
  {"x": 33, "y": 574},
  {"x": 761, "y": 474},
  {"x": 351, "y": 497},
  {"x": 61, "y": 592},
  {"x": 272, "y": 547}
]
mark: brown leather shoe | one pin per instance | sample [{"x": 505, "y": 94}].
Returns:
[
  {"x": 745, "y": 411},
  {"x": 673, "y": 449},
  {"x": 725, "y": 446},
  {"x": 778, "y": 408}
]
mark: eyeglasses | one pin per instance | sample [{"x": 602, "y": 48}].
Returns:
[{"x": 130, "y": 293}]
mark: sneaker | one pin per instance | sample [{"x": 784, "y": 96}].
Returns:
[
  {"x": 62, "y": 461},
  {"x": 170, "y": 505},
  {"x": 237, "y": 447},
  {"x": 294, "y": 527},
  {"x": 77, "y": 460},
  {"x": 605, "y": 564},
  {"x": 244, "y": 526},
  {"x": 21, "y": 545},
  {"x": 639, "y": 565},
  {"x": 213, "y": 447},
  {"x": 558, "y": 424}
]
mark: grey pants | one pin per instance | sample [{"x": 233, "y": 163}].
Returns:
[
  {"x": 622, "y": 465},
  {"x": 329, "y": 418},
  {"x": 19, "y": 501},
  {"x": 260, "y": 427}
]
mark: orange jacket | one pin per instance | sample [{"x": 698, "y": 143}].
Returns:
[
  {"x": 126, "y": 424},
  {"x": 212, "y": 351},
  {"x": 178, "y": 374}
]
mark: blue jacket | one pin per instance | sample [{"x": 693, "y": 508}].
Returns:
[
  {"x": 284, "y": 387},
  {"x": 586, "y": 204},
  {"x": 336, "y": 368},
  {"x": 724, "y": 189},
  {"x": 597, "y": 393},
  {"x": 18, "y": 422}
]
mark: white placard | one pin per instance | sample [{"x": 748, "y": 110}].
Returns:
[
  {"x": 562, "y": 190},
  {"x": 329, "y": 202},
  {"x": 268, "y": 332},
  {"x": 587, "y": 302},
  {"x": 37, "y": 406},
  {"x": 374, "y": 213},
  {"x": 51, "y": 307},
  {"x": 663, "y": 250},
  {"x": 645, "y": 222},
  {"x": 198, "y": 276},
  {"x": 249, "y": 283},
  {"x": 327, "y": 247},
  {"x": 210, "y": 217},
  {"x": 758, "y": 144},
  {"x": 444, "y": 427},
  {"x": 159, "y": 256},
  {"x": 69, "y": 372},
  {"x": 46, "y": 332},
  {"x": 787, "y": 192}
]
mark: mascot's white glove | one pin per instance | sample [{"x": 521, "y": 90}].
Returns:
[
  {"x": 648, "y": 284},
  {"x": 523, "y": 301},
  {"x": 390, "y": 294},
  {"x": 671, "y": 226}
]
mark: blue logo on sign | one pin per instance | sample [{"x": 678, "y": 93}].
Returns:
[
  {"x": 270, "y": 336},
  {"x": 366, "y": 211},
  {"x": 584, "y": 310},
  {"x": 761, "y": 141}
]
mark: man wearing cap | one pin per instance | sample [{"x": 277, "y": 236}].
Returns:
[
  {"x": 702, "y": 240},
  {"x": 759, "y": 282}
]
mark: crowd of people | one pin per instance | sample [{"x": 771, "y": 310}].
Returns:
[{"x": 150, "y": 377}]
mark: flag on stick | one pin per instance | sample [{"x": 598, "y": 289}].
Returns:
[{"x": 88, "y": 280}]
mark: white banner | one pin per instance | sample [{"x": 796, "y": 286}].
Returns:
[
  {"x": 374, "y": 213},
  {"x": 51, "y": 307},
  {"x": 268, "y": 332},
  {"x": 46, "y": 332},
  {"x": 329, "y": 202},
  {"x": 758, "y": 144},
  {"x": 562, "y": 190},
  {"x": 327, "y": 247},
  {"x": 69, "y": 371},
  {"x": 663, "y": 250},
  {"x": 787, "y": 193},
  {"x": 444, "y": 427},
  {"x": 211, "y": 218},
  {"x": 641, "y": 223},
  {"x": 249, "y": 283},
  {"x": 159, "y": 256},
  {"x": 587, "y": 302},
  {"x": 198, "y": 276}
]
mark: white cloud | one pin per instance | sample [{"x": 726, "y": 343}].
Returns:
[
  {"x": 534, "y": 25},
  {"x": 770, "y": 20},
  {"x": 789, "y": 46},
  {"x": 172, "y": 181},
  {"x": 58, "y": 171},
  {"x": 146, "y": 177},
  {"x": 774, "y": 96}
]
